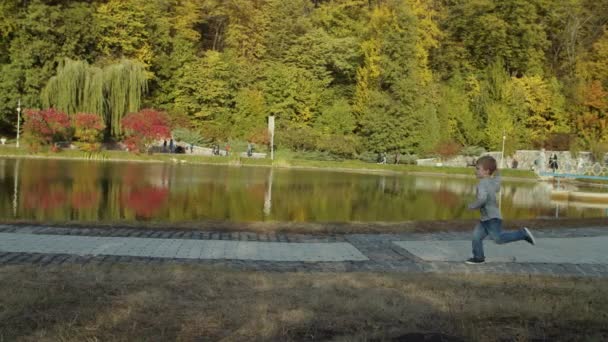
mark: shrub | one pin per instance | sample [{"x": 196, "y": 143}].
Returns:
[
  {"x": 598, "y": 151},
  {"x": 473, "y": 151},
  {"x": 408, "y": 159},
  {"x": 318, "y": 155},
  {"x": 89, "y": 131},
  {"x": 188, "y": 136},
  {"x": 145, "y": 127},
  {"x": 340, "y": 145},
  {"x": 260, "y": 136},
  {"x": 368, "y": 156},
  {"x": 44, "y": 127},
  {"x": 447, "y": 149},
  {"x": 301, "y": 138},
  {"x": 560, "y": 141}
]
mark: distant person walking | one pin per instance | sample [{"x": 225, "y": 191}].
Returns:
[
  {"x": 490, "y": 220},
  {"x": 249, "y": 150},
  {"x": 171, "y": 146},
  {"x": 553, "y": 162}
]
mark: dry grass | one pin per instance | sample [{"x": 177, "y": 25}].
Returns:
[
  {"x": 202, "y": 303},
  {"x": 320, "y": 228}
]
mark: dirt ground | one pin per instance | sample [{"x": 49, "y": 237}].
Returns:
[{"x": 326, "y": 228}]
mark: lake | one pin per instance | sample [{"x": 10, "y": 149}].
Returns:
[{"x": 71, "y": 190}]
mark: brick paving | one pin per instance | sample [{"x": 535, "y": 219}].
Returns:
[{"x": 582, "y": 255}]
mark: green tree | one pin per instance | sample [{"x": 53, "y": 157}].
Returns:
[
  {"x": 394, "y": 98},
  {"x": 540, "y": 106},
  {"x": 457, "y": 121},
  {"x": 249, "y": 25},
  {"x": 293, "y": 95},
  {"x": 250, "y": 113},
  {"x": 485, "y": 31},
  {"x": 122, "y": 30},
  {"x": 287, "y": 20},
  {"x": 178, "y": 47},
  {"x": 337, "y": 118},
  {"x": 46, "y": 34},
  {"x": 206, "y": 91},
  {"x": 111, "y": 92}
]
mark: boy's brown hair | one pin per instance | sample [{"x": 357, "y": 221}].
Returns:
[{"x": 488, "y": 163}]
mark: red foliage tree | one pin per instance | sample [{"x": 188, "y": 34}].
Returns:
[
  {"x": 145, "y": 127},
  {"x": 44, "y": 127},
  {"x": 260, "y": 137},
  {"x": 447, "y": 149},
  {"x": 89, "y": 131}
]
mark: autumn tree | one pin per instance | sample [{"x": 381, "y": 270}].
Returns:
[
  {"x": 44, "y": 127},
  {"x": 145, "y": 127},
  {"x": 88, "y": 129}
]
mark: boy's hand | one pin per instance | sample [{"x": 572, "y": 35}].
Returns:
[{"x": 482, "y": 197}]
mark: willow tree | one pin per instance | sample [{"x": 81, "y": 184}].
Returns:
[{"x": 110, "y": 92}]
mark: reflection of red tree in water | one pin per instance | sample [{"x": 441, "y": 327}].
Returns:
[
  {"x": 146, "y": 201},
  {"x": 132, "y": 175},
  {"x": 43, "y": 197},
  {"x": 446, "y": 198},
  {"x": 84, "y": 199}
]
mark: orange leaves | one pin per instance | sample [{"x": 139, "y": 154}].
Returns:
[{"x": 595, "y": 97}]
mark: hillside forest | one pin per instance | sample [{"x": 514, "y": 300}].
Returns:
[{"x": 342, "y": 77}]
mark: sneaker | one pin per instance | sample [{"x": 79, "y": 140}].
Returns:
[
  {"x": 529, "y": 237},
  {"x": 475, "y": 261}
]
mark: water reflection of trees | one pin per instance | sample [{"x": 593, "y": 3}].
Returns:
[{"x": 89, "y": 191}]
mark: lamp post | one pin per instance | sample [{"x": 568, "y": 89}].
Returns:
[
  {"x": 502, "y": 155},
  {"x": 271, "y": 131},
  {"x": 18, "y": 121}
]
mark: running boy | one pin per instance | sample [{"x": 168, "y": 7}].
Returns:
[{"x": 490, "y": 221}]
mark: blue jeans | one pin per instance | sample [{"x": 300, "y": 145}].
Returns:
[{"x": 493, "y": 227}]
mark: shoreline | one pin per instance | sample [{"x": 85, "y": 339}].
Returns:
[
  {"x": 234, "y": 161},
  {"x": 279, "y": 164},
  {"x": 317, "y": 228}
]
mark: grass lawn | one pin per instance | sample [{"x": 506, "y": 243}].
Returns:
[
  {"x": 283, "y": 159},
  {"x": 170, "y": 302}
]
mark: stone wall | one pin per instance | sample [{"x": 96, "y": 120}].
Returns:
[{"x": 525, "y": 159}]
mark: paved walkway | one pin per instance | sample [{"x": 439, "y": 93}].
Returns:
[
  {"x": 179, "y": 248},
  {"x": 576, "y": 252}
]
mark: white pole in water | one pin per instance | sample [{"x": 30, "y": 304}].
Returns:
[
  {"x": 268, "y": 195},
  {"x": 16, "y": 188}
]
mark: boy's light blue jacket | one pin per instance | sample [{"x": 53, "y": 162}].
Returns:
[{"x": 486, "y": 198}]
